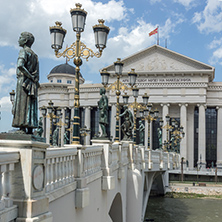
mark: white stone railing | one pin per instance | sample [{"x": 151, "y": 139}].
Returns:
[
  {"x": 55, "y": 172},
  {"x": 8, "y": 212},
  {"x": 60, "y": 167},
  {"x": 64, "y": 165},
  {"x": 92, "y": 157}
]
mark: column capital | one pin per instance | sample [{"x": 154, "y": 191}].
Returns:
[
  {"x": 183, "y": 104},
  {"x": 202, "y": 104},
  {"x": 87, "y": 107},
  {"x": 165, "y": 104}
]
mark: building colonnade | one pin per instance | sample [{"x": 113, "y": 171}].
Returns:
[{"x": 185, "y": 116}]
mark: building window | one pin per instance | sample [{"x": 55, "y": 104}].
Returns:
[
  {"x": 196, "y": 131},
  {"x": 157, "y": 136},
  {"x": 211, "y": 137},
  {"x": 59, "y": 80},
  {"x": 51, "y": 80},
  {"x": 69, "y": 81},
  {"x": 94, "y": 125}
]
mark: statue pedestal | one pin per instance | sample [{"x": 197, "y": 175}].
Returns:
[
  {"x": 108, "y": 181},
  {"x": 24, "y": 137},
  {"x": 29, "y": 177}
]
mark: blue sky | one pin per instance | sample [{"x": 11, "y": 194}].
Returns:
[{"x": 191, "y": 27}]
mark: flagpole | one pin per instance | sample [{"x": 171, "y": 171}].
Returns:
[{"x": 158, "y": 40}]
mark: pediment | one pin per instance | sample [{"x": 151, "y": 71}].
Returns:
[{"x": 157, "y": 59}]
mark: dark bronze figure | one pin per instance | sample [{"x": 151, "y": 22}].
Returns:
[
  {"x": 25, "y": 107},
  {"x": 141, "y": 130},
  {"x": 103, "y": 108},
  {"x": 127, "y": 126}
]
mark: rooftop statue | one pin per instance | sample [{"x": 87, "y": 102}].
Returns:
[
  {"x": 127, "y": 126},
  {"x": 25, "y": 107},
  {"x": 103, "y": 108}
]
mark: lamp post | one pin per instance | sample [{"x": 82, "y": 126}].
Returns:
[
  {"x": 50, "y": 113},
  {"x": 117, "y": 86},
  {"x": 174, "y": 135},
  {"x": 150, "y": 115},
  {"x": 76, "y": 51},
  {"x": 12, "y": 96}
]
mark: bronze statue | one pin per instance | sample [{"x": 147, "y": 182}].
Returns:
[
  {"x": 141, "y": 130},
  {"x": 127, "y": 126},
  {"x": 159, "y": 133},
  {"x": 39, "y": 130},
  {"x": 25, "y": 107},
  {"x": 103, "y": 108},
  {"x": 55, "y": 136},
  {"x": 66, "y": 138}
]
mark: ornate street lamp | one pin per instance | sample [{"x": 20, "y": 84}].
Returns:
[
  {"x": 117, "y": 86},
  {"x": 150, "y": 115},
  {"x": 174, "y": 134},
  {"x": 50, "y": 112},
  {"x": 76, "y": 51},
  {"x": 12, "y": 96}
]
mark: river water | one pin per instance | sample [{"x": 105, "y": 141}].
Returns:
[{"x": 184, "y": 210}]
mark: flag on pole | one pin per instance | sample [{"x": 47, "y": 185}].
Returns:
[{"x": 155, "y": 31}]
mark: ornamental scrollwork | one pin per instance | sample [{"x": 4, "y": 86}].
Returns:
[{"x": 84, "y": 52}]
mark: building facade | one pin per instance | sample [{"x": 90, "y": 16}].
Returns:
[{"x": 177, "y": 86}]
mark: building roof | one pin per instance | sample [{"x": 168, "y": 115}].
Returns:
[
  {"x": 157, "y": 60},
  {"x": 64, "y": 68}
]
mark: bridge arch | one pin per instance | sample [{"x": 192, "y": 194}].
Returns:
[{"x": 116, "y": 209}]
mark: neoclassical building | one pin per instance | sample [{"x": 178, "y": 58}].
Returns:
[{"x": 177, "y": 86}]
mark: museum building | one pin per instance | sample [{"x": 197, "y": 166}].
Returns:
[{"x": 177, "y": 86}]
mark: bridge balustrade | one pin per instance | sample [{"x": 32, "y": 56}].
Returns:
[
  {"x": 69, "y": 169},
  {"x": 59, "y": 167},
  {"x": 8, "y": 211}
]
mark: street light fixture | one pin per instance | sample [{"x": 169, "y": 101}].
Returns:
[
  {"x": 76, "y": 51},
  {"x": 150, "y": 115},
  {"x": 12, "y": 96}
]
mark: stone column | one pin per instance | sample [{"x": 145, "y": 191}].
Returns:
[
  {"x": 219, "y": 137},
  {"x": 183, "y": 123},
  {"x": 47, "y": 129},
  {"x": 202, "y": 136},
  {"x": 190, "y": 135},
  {"x": 113, "y": 121},
  {"x": 165, "y": 111},
  {"x": 87, "y": 123},
  {"x": 151, "y": 135}
]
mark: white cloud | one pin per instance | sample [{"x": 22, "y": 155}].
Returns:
[
  {"x": 216, "y": 46},
  {"x": 7, "y": 78},
  {"x": 186, "y": 3},
  {"x": 210, "y": 19},
  {"x": 154, "y": 1},
  {"x": 36, "y": 16},
  {"x": 5, "y": 103}
]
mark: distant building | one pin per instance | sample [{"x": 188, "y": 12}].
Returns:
[{"x": 177, "y": 85}]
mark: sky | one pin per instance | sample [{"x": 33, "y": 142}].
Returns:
[{"x": 192, "y": 28}]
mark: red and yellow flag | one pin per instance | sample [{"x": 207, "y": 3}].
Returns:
[{"x": 155, "y": 31}]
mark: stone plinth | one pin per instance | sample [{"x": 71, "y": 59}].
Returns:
[
  {"x": 28, "y": 178},
  {"x": 17, "y": 136}
]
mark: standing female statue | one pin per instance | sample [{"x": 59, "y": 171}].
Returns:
[
  {"x": 103, "y": 108},
  {"x": 25, "y": 107},
  {"x": 127, "y": 126}
]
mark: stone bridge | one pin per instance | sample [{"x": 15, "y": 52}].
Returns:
[{"x": 102, "y": 182}]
